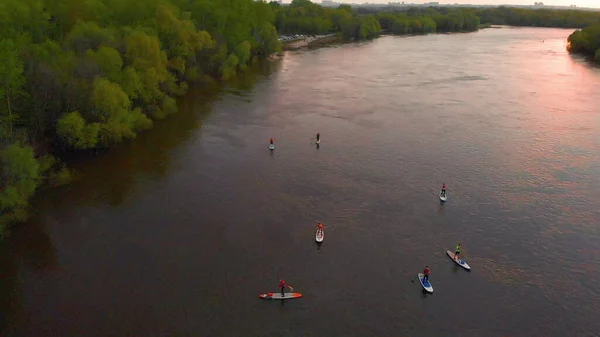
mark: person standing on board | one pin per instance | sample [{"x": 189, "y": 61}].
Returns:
[
  {"x": 282, "y": 286},
  {"x": 457, "y": 252},
  {"x": 320, "y": 225},
  {"x": 271, "y": 140},
  {"x": 444, "y": 189},
  {"x": 426, "y": 274},
  {"x": 318, "y": 137}
]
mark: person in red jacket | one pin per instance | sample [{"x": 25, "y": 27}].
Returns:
[
  {"x": 320, "y": 225},
  {"x": 282, "y": 286},
  {"x": 271, "y": 140},
  {"x": 426, "y": 273},
  {"x": 444, "y": 189}
]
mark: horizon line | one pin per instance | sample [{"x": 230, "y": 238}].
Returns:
[{"x": 449, "y": 3}]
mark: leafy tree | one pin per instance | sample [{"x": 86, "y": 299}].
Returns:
[
  {"x": 20, "y": 178},
  {"x": 586, "y": 41},
  {"x": 75, "y": 132},
  {"x": 11, "y": 81}
]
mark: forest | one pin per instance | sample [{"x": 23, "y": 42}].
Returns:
[
  {"x": 586, "y": 41},
  {"x": 85, "y": 75},
  {"x": 80, "y": 75}
]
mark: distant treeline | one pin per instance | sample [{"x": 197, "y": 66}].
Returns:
[
  {"x": 587, "y": 42},
  {"x": 502, "y": 15},
  {"x": 305, "y": 17},
  {"x": 538, "y": 17},
  {"x": 79, "y": 75}
]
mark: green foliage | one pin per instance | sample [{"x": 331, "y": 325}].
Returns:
[
  {"x": 109, "y": 61},
  {"x": 76, "y": 133},
  {"x": 61, "y": 176},
  {"x": 88, "y": 35},
  {"x": 228, "y": 68},
  {"x": 419, "y": 21},
  {"x": 89, "y": 74},
  {"x": 586, "y": 41},
  {"x": 538, "y": 17},
  {"x": 11, "y": 81},
  {"x": 53, "y": 172},
  {"x": 20, "y": 176},
  {"x": 305, "y": 17},
  {"x": 415, "y": 20}
]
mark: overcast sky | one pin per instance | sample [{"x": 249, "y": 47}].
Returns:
[{"x": 579, "y": 3}]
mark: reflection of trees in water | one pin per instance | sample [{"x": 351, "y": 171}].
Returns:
[
  {"x": 109, "y": 177},
  {"x": 29, "y": 246}
]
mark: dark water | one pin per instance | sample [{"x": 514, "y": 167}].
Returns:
[{"x": 177, "y": 233}]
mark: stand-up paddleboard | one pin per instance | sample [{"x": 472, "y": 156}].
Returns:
[
  {"x": 425, "y": 283},
  {"x": 271, "y": 147},
  {"x": 460, "y": 262},
  {"x": 443, "y": 196},
  {"x": 320, "y": 235},
  {"x": 277, "y": 296}
]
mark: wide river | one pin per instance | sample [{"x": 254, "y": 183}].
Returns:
[{"x": 178, "y": 232}]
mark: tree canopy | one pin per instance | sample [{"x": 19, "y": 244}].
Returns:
[
  {"x": 80, "y": 75},
  {"x": 586, "y": 41}
]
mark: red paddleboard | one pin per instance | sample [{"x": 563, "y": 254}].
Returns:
[{"x": 277, "y": 296}]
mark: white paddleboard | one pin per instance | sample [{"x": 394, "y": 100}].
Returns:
[
  {"x": 320, "y": 235},
  {"x": 443, "y": 197},
  {"x": 277, "y": 296},
  {"x": 460, "y": 262},
  {"x": 271, "y": 147},
  {"x": 426, "y": 285}
]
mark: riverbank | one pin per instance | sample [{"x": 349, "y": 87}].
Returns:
[
  {"x": 586, "y": 42},
  {"x": 80, "y": 84},
  {"x": 312, "y": 41}
]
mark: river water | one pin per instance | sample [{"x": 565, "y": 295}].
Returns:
[{"x": 179, "y": 231}]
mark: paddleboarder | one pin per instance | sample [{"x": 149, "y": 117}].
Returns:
[
  {"x": 271, "y": 140},
  {"x": 282, "y": 286},
  {"x": 320, "y": 225},
  {"x": 426, "y": 274},
  {"x": 444, "y": 190},
  {"x": 318, "y": 136},
  {"x": 457, "y": 252}
]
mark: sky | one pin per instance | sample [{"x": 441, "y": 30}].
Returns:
[{"x": 579, "y": 3}]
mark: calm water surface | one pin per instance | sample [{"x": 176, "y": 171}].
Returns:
[{"x": 178, "y": 232}]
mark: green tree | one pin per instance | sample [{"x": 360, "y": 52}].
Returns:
[
  {"x": 109, "y": 61},
  {"x": 89, "y": 35},
  {"x": 76, "y": 133},
  {"x": 11, "y": 82},
  {"x": 145, "y": 56},
  {"x": 20, "y": 178},
  {"x": 112, "y": 109},
  {"x": 586, "y": 42}
]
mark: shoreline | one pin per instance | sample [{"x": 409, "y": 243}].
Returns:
[
  {"x": 325, "y": 40},
  {"x": 310, "y": 41}
]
